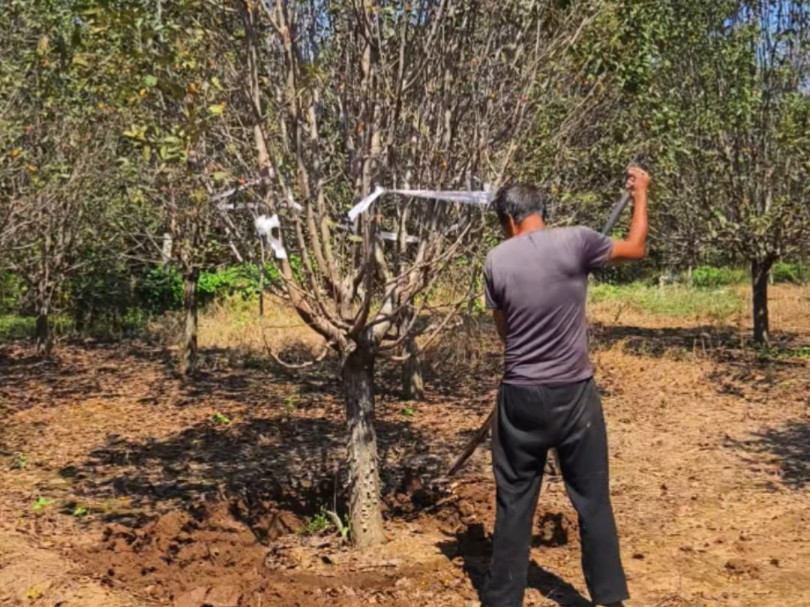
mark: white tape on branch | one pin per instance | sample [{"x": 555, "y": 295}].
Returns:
[
  {"x": 477, "y": 198},
  {"x": 265, "y": 226}
]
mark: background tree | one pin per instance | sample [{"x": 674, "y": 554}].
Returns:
[
  {"x": 734, "y": 125},
  {"x": 60, "y": 144},
  {"x": 181, "y": 162}
]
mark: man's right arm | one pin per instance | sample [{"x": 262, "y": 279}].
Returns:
[{"x": 634, "y": 246}]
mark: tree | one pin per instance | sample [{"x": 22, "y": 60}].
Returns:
[
  {"x": 173, "y": 133},
  {"x": 57, "y": 148},
  {"x": 716, "y": 94},
  {"x": 740, "y": 106},
  {"x": 349, "y": 96}
]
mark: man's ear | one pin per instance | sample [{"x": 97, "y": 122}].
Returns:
[{"x": 509, "y": 226}]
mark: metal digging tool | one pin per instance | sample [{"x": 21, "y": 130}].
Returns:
[{"x": 481, "y": 433}]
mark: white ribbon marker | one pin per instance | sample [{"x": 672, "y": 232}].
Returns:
[
  {"x": 265, "y": 226},
  {"x": 477, "y": 198}
]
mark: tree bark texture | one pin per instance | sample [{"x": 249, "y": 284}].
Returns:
[
  {"x": 188, "y": 353},
  {"x": 760, "y": 271},
  {"x": 413, "y": 384},
  {"x": 43, "y": 333},
  {"x": 364, "y": 475}
]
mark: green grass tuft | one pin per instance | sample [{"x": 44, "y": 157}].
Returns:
[
  {"x": 675, "y": 301},
  {"x": 16, "y": 327}
]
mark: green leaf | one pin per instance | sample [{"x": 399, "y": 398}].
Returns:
[
  {"x": 216, "y": 82},
  {"x": 220, "y": 176},
  {"x": 150, "y": 80}
]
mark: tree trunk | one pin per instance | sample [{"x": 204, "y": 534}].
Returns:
[
  {"x": 364, "y": 475},
  {"x": 261, "y": 294},
  {"x": 760, "y": 270},
  {"x": 188, "y": 360},
  {"x": 43, "y": 333},
  {"x": 413, "y": 384}
]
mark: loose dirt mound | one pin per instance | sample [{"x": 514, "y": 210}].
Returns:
[
  {"x": 32, "y": 577},
  {"x": 224, "y": 554},
  {"x": 180, "y": 553}
]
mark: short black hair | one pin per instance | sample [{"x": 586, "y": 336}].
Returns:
[{"x": 519, "y": 201}]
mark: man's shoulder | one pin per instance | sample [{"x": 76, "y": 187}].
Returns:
[
  {"x": 504, "y": 251},
  {"x": 529, "y": 240},
  {"x": 576, "y": 231}
]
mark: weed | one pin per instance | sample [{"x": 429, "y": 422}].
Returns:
[
  {"x": 42, "y": 503},
  {"x": 20, "y": 461},
  {"x": 408, "y": 412},
  {"x": 327, "y": 520},
  {"x": 317, "y": 524},
  {"x": 220, "y": 419},
  {"x": 289, "y": 403},
  {"x": 79, "y": 512}
]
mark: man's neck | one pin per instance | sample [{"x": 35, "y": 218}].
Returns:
[{"x": 530, "y": 224}]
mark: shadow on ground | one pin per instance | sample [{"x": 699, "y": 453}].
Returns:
[
  {"x": 790, "y": 444},
  {"x": 295, "y": 463},
  {"x": 475, "y": 548}
]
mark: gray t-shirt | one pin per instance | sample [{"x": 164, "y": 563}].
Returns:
[{"x": 540, "y": 282}]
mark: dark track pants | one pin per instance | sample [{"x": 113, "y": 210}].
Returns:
[{"x": 530, "y": 421}]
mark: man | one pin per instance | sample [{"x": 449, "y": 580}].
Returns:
[{"x": 536, "y": 283}]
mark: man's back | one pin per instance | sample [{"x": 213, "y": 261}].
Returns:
[{"x": 539, "y": 282}]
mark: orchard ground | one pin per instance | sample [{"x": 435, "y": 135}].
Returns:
[{"x": 122, "y": 486}]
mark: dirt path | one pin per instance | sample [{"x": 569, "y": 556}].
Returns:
[{"x": 121, "y": 480}]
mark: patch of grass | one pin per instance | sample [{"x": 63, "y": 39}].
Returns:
[
  {"x": 709, "y": 277},
  {"x": 793, "y": 273},
  {"x": 776, "y": 353},
  {"x": 677, "y": 301},
  {"x": 16, "y": 327}
]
